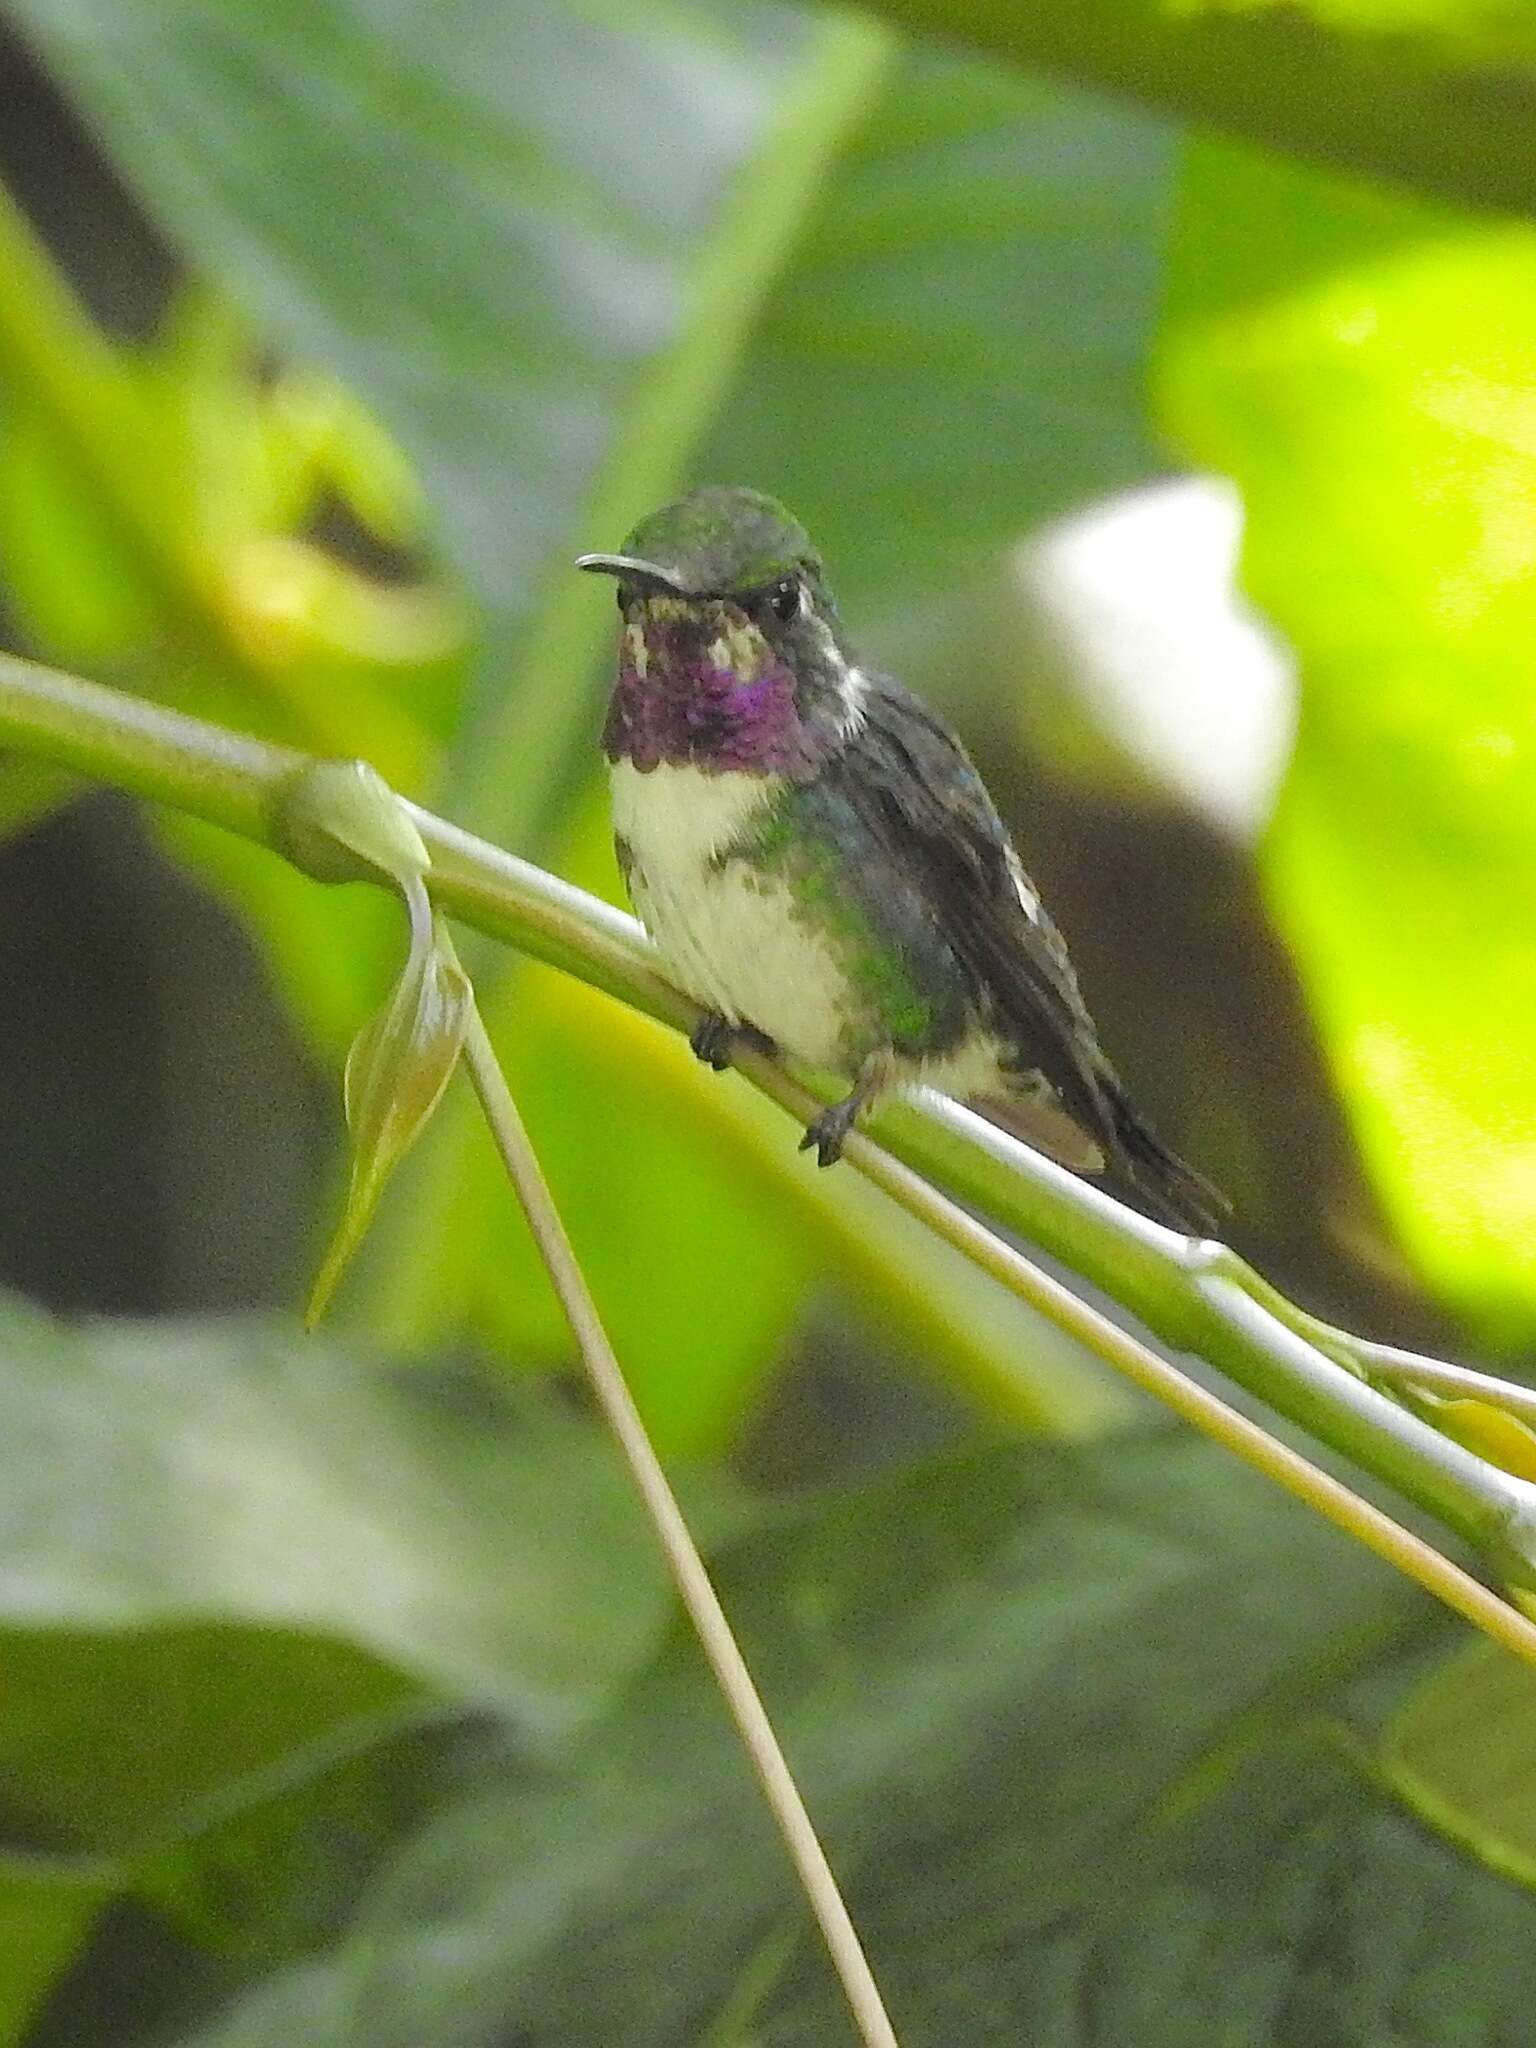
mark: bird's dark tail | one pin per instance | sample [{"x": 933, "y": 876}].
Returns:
[{"x": 1173, "y": 1190}]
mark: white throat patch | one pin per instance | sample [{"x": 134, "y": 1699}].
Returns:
[{"x": 677, "y": 817}]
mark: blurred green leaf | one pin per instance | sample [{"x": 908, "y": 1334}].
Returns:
[
  {"x": 47, "y": 1907},
  {"x": 158, "y": 1477},
  {"x": 1438, "y": 93},
  {"x": 1462, "y": 1751},
  {"x": 306, "y": 2003},
  {"x": 497, "y": 323},
  {"x": 240, "y": 1780},
  {"x": 262, "y": 1872},
  {"x": 169, "y": 1720},
  {"x": 1363, "y": 368},
  {"x": 1029, "y": 1697},
  {"x": 171, "y": 448},
  {"x": 1294, "y": 1906},
  {"x": 239, "y": 1578},
  {"x": 74, "y": 587},
  {"x": 958, "y": 350}
]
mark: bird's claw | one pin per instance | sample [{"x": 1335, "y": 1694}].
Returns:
[
  {"x": 825, "y": 1134},
  {"x": 714, "y": 1040},
  {"x": 711, "y": 1040}
]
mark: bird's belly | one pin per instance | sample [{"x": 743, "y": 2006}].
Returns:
[{"x": 738, "y": 940}]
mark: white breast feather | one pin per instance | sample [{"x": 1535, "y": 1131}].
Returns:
[
  {"x": 677, "y": 816},
  {"x": 733, "y": 936}
]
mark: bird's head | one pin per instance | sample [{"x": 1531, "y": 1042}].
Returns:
[{"x": 729, "y": 651}]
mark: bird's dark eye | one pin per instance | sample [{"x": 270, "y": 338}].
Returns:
[
  {"x": 784, "y": 599},
  {"x": 623, "y": 596}
]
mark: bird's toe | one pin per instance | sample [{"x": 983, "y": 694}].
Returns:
[
  {"x": 825, "y": 1134},
  {"x": 715, "y": 1040},
  {"x": 711, "y": 1041}
]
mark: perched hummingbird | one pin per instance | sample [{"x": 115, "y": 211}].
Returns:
[{"x": 820, "y": 865}]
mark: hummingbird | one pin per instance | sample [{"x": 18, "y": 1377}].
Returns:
[{"x": 820, "y": 865}]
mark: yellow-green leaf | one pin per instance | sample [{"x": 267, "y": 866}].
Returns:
[
  {"x": 1495, "y": 1434},
  {"x": 47, "y": 1906},
  {"x": 1363, "y": 365}
]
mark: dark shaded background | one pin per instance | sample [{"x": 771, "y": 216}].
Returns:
[{"x": 137, "y": 1038}]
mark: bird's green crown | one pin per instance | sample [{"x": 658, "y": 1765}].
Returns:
[{"x": 723, "y": 539}]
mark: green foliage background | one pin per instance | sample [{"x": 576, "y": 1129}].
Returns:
[{"x": 340, "y": 1696}]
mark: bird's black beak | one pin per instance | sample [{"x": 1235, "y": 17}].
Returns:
[{"x": 630, "y": 568}]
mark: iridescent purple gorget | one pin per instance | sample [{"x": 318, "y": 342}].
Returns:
[{"x": 688, "y": 707}]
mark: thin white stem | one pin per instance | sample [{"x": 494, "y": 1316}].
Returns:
[
  {"x": 1401, "y": 1368},
  {"x": 687, "y": 1567}
]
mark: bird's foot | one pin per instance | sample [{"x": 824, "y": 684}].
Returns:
[
  {"x": 825, "y": 1134},
  {"x": 711, "y": 1040},
  {"x": 715, "y": 1038}
]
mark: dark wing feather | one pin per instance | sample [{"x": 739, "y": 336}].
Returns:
[
  {"x": 929, "y": 805},
  {"x": 922, "y": 797}
]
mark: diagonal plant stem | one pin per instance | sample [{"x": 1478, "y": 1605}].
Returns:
[
  {"x": 1198, "y": 1297},
  {"x": 503, "y": 766},
  {"x": 1394, "y": 1366},
  {"x": 687, "y": 1567}
]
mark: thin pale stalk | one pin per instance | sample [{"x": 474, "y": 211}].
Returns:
[
  {"x": 1411, "y": 1369},
  {"x": 687, "y": 1567}
]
